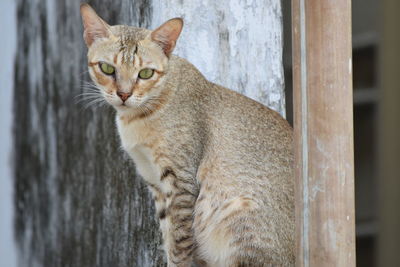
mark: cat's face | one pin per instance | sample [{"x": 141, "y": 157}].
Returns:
[
  {"x": 128, "y": 64},
  {"x": 128, "y": 71}
]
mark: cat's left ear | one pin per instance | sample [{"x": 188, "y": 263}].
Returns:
[
  {"x": 94, "y": 27},
  {"x": 167, "y": 34}
]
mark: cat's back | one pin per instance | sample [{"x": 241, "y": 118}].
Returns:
[
  {"x": 225, "y": 108},
  {"x": 250, "y": 129}
]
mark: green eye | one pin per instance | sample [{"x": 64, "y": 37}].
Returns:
[
  {"x": 146, "y": 73},
  {"x": 107, "y": 69}
]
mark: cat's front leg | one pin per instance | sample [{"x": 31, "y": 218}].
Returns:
[{"x": 176, "y": 220}]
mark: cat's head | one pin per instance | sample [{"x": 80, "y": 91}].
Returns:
[{"x": 128, "y": 64}]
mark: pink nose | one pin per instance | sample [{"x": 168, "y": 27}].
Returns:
[{"x": 124, "y": 96}]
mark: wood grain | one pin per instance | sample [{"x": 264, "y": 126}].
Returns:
[{"x": 323, "y": 124}]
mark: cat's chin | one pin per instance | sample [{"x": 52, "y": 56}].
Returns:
[
  {"x": 124, "y": 109},
  {"x": 119, "y": 105}
]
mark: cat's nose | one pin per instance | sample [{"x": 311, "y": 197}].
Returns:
[{"x": 124, "y": 96}]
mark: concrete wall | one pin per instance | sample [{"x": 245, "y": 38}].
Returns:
[{"x": 7, "y": 53}]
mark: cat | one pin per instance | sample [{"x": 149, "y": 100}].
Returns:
[{"x": 219, "y": 165}]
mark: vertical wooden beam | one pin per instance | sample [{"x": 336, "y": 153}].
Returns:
[
  {"x": 389, "y": 129},
  {"x": 323, "y": 124}
]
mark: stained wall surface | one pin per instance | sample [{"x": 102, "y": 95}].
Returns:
[{"x": 7, "y": 53}]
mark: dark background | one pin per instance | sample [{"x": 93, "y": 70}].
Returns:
[{"x": 70, "y": 209}]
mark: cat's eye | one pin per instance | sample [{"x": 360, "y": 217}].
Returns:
[
  {"x": 146, "y": 73},
  {"x": 107, "y": 68}
]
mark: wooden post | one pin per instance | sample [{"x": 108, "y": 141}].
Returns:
[
  {"x": 389, "y": 142},
  {"x": 323, "y": 124}
]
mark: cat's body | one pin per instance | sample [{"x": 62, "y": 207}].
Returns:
[{"x": 218, "y": 163}]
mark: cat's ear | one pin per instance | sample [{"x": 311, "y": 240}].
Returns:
[
  {"x": 167, "y": 34},
  {"x": 94, "y": 27}
]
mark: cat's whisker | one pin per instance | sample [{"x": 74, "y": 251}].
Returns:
[
  {"x": 90, "y": 87},
  {"x": 83, "y": 73},
  {"x": 86, "y": 84},
  {"x": 93, "y": 103},
  {"x": 84, "y": 103},
  {"x": 90, "y": 92},
  {"x": 143, "y": 109},
  {"x": 84, "y": 95},
  {"x": 90, "y": 96},
  {"x": 86, "y": 99},
  {"x": 86, "y": 81}
]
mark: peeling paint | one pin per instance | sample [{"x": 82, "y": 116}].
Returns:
[
  {"x": 330, "y": 229},
  {"x": 350, "y": 66}
]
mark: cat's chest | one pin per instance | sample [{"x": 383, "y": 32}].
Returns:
[{"x": 136, "y": 139}]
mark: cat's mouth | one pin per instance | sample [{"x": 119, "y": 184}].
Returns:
[{"x": 123, "y": 105}]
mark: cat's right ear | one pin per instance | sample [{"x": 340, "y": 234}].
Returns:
[
  {"x": 167, "y": 34},
  {"x": 94, "y": 27}
]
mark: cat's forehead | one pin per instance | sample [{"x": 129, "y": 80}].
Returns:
[
  {"x": 124, "y": 40},
  {"x": 127, "y": 42},
  {"x": 128, "y": 35}
]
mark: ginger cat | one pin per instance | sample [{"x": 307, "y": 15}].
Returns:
[{"x": 219, "y": 165}]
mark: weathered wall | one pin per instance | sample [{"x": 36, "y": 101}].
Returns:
[
  {"x": 234, "y": 43},
  {"x": 7, "y": 54},
  {"x": 78, "y": 201}
]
